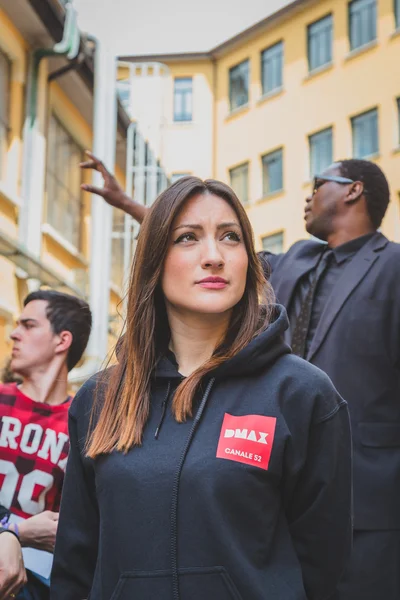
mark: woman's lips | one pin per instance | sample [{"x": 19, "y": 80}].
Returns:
[{"x": 213, "y": 283}]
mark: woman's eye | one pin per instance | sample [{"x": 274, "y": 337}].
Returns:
[
  {"x": 186, "y": 237},
  {"x": 232, "y": 236}
]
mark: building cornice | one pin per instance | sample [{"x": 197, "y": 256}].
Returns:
[{"x": 227, "y": 46}]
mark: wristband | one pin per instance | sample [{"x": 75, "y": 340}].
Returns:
[
  {"x": 15, "y": 530},
  {"x": 6, "y": 530}
]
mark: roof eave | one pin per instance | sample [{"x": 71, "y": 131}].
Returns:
[
  {"x": 53, "y": 20},
  {"x": 167, "y": 58},
  {"x": 226, "y": 46}
]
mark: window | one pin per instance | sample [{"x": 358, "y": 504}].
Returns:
[
  {"x": 183, "y": 99},
  {"x": 397, "y": 221},
  {"x": 272, "y": 172},
  {"x": 397, "y": 13},
  {"x": 272, "y": 68},
  {"x": 398, "y": 122},
  {"x": 239, "y": 177},
  {"x": 162, "y": 181},
  {"x": 239, "y": 85},
  {"x": 321, "y": 154},
  {"x": 5, "y": 77},
  {"x": 176, "y": 176},
  {"x": 117, "y": 248},
  {"x": 362, "y": 21},
  {"x": 365, "y": 134},
  {"x": 273, "y": 243},
  {"x": 320, "y": 43},
  {"x": 64, "y": 196}
]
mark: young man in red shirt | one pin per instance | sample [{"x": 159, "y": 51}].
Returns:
[{"x": 49, "y": 340}]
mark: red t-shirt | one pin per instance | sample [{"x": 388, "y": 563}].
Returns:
[{"x": 34, "y": 446}]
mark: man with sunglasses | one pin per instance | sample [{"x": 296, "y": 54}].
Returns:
[{"x": 343, "y": 302}]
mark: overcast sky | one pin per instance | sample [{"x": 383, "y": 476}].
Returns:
[{"x": 160, "y": 26}]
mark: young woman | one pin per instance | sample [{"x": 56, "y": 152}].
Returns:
[{"x": 213, "y": 464}]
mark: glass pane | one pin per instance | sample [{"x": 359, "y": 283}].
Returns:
[
  {"x": 51, "y": 191},
  {"x": 239, "y": 85},
  {"x": 272, "y": 68},
  {"x": 397, "y": 13},
  {"x": 239, "y": 182},
  {"x": 320, "y": 42},
  {"x": 273, "y": 243},
  {"x": 272, "y": 172},
  {"x": 183, "y": 99},
  {"x": 178, "y": 105},
  {"x": 64, "y": 205},
  {"x": 5, "y": 76},
  {"x": 321, "y": 153},
  {"x": 362, "y": 15},
  {"x": 62, "y": 157},
  {"x": 188, "y": 105},
  {"x": 117, "y": 257},
  {"x": 365, "y": 134},
  {"x": 398, "y": 120},
  {"x": 176, "y": 176},
  {"x": 52, "y": 143}
]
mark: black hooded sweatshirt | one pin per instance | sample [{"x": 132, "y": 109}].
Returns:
[{"x": 250, "y": 499}]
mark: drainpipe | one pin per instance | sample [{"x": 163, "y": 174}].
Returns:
[
  {"x": 34, "y": 153},
  {"x": 74, "y": 65},
  {"x": 104, "y": 145}
]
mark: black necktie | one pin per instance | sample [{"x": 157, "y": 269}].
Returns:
[{"x": 299, "y": 337}]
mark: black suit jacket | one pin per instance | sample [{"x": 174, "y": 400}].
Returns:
[{"x": 357, "y": 343}]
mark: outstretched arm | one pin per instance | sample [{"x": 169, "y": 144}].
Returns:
[{"x": 111, "y": 191}]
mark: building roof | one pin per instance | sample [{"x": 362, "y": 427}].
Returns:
[
  {"x": 52, "y": 14},
  {"x": 270, "y": 20}
]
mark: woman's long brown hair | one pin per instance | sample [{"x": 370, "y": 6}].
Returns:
[{"x": 119, "y": 420}]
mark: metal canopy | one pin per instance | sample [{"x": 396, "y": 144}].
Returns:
[{"x": 33, "y": 267}]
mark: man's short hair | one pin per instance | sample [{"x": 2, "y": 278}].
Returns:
[
  {"x": 376, "y": 186},
  {"x": 67, "y": 313}
]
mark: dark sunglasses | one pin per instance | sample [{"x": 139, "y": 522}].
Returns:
[{"x": 321, "y": 179}]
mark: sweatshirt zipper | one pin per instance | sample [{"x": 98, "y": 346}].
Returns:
[
  {"x": 163, "y": 411},
  {"x": 175, "y": 493}
]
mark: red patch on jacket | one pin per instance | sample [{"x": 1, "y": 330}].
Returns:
[{"x": 247, "y": 439}]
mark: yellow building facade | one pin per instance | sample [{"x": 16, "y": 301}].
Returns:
[
  {"x": 46, "y": 124},
  {"x": 315, "y": 82}
]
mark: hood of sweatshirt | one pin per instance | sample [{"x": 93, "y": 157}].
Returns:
[{"x": 261, "y": 352}]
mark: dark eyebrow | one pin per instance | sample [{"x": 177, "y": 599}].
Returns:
[
  {"x": 26, "y": 321},
  {"x": 196, "y": 227}
]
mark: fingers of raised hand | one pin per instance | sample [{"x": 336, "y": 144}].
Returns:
[
  {"x": 94, "y": 163},
  {"x": 89, "y": 164},
  {"x": 93, "y": 189}
]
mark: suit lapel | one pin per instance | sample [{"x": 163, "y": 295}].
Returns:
[
  {"x": 286, "y": 278},
  {"x": 351, "y": 277}
]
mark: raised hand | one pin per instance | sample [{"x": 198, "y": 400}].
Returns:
[{"x": 112, "y": 192}]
